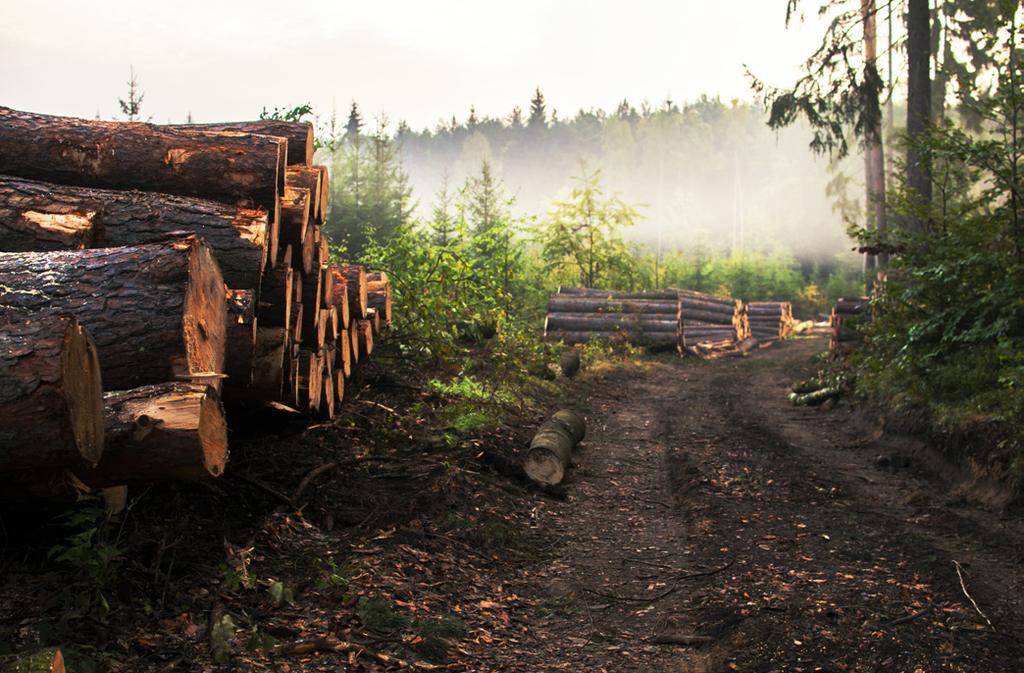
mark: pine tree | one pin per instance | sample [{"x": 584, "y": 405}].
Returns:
[
  {"x": 354, "y": 126},
  {"x": 515, "y": 120},
  {"x": 484, "y": 203},
  {"x": 538, "y": 120},
  {"x": 486, "y": 211},
  {"x": 442, "y": 223},
  {"x": 131, "y": 107},
  {"x": 370, "y": 192},
  {"x": 472, "y": 121}
]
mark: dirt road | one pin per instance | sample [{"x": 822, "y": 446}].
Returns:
[{"x": 711, "y": 527}]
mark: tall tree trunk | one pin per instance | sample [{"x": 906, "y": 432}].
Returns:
[
  {"x": 919, "y": 174},
  {"x": 874, "y": 157}
]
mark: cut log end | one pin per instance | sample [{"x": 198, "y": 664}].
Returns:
[
  {"x": 205, "y": 313},
  {"x": 80, "y": 367},
  {"x": 165, "y": 431},
  {"x": 544, "y": 466}
]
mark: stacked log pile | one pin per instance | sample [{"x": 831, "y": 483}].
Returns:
[
  {"x": 846, "y": 317},
  {"x": 151, "y": 276},
  {"x": 648, "y": 319},
  {"x": 770, "y": 320},
  {"x": 710, "y": 321}
]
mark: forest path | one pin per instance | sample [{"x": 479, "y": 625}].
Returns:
[{"x": 711, "y": 526}]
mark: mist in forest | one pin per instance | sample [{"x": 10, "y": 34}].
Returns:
[{"x": 705, "y": 173}]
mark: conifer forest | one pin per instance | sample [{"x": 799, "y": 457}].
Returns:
[{"x": 557, "y": 336}]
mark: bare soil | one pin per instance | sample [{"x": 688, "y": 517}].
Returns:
[{"x": 707, "y": 525}]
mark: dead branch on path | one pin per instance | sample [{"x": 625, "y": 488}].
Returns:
[
  {"x": 963, "y": 585},
  {"x": 664, "y": 594}
]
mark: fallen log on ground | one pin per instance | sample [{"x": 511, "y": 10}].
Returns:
[
  {"x": 51, "y": 395},
  {"x": 42, "y": 216},
  {"x": 167, "y": 431},
  {"x": 551, "y": 448},
  {"x": 569, "y": 362},
  {"x": 230, "y": 167},
  {"x": 155, "y": 311}
]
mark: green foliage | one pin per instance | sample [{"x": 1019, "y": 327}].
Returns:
[
  {"x": 92, "y": 549},
  {"x": 584, "y": 233},
  {"x": 287, "y": 114},
  {"x": 948, "y": 326},
  {"x": 371, "y": 201},
  {"x": 453, "y": 279},
  {"x": 221, "y": 634}
]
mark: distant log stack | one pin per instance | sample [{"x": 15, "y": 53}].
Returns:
[
  {"x": 711, "y": 321},
  {"x": 845, "y": 321},
  {"x": 770, "y": 320},
  {"x": 646, "y": 319},
  {"x": 172, "y": 266}
]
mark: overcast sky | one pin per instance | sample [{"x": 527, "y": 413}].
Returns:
[{"x": 418, "y": 60}]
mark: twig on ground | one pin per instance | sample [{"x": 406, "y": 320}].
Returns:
[
  {"x": 664, "y": 594},
  {"x": 379, "y": 406},
  {"x": 263, "y": 486},
  {"x": 963, "y": 585},
  {"x": 911, "y": 617},
  {"x": 331, "y": 644},
  {"x": 308, "y": 479}
]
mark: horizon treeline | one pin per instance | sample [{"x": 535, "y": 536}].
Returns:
[{"x": 703, "y": 175}]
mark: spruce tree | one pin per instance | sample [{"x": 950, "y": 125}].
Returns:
[
  {"x": 131, "y": 108},
  {"x": 354, "y": 126},
  {"x": 538, "y": 120}
]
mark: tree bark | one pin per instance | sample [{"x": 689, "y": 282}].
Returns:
[
  {"x": 42, "y": 216},
  {"x": 919, "y": 175},
  {"x": 170, "y": 431},
  {"x": 51, "y": 395},
  {"x": 568, "y": 304},
  {"x": 156, "y": 311},
  {"x": 298, "y": 134},
  {"x": 610, "y": 322},
  {"x": 617, "y": 294},
  {"x": 234, "y": 168},
  {"x": 874, "y": 155}
]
